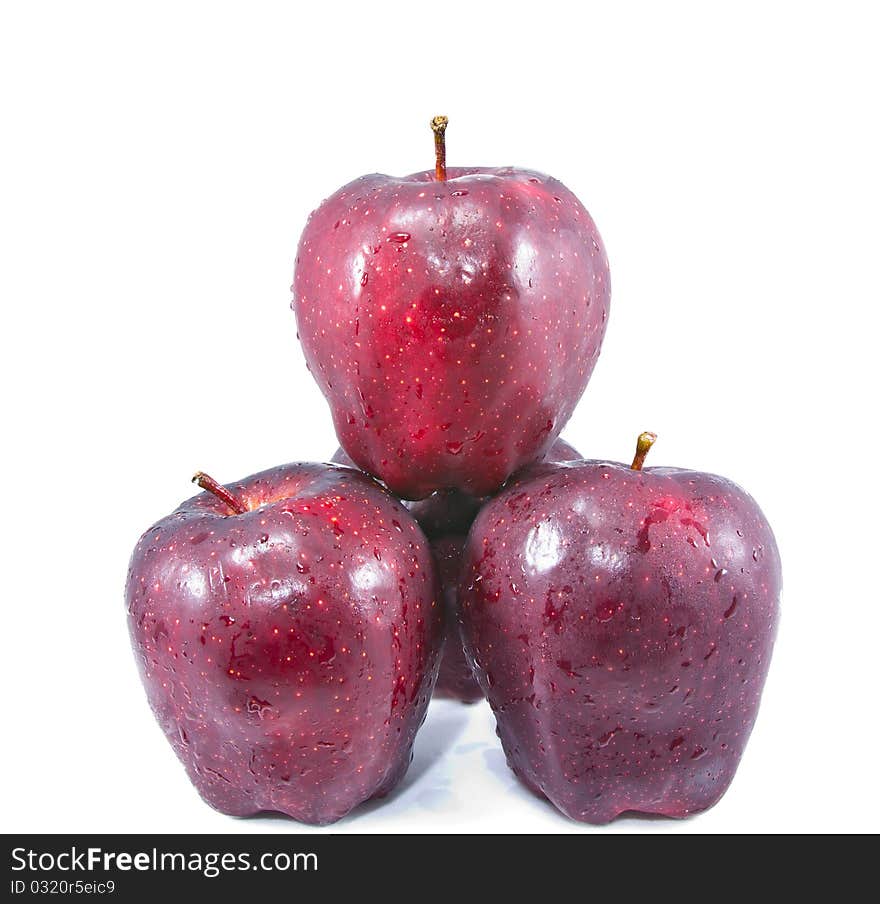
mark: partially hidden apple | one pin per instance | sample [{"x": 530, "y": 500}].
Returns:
[
  {"x": 452, "y": 319},
  {"x": 621, "y": 623},
  {"x": 446, "y": 517},
  {"x": 455, "y": 680},
  {"x": 288, "y": 630}
]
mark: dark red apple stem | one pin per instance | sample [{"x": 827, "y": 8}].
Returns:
[
  {"x": 643, "y": 445},
  {"x": 208, "y": 483},
  {"x": 438, "y": 126}
]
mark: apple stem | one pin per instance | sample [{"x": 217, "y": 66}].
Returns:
[
  {"x": 643, "y": 445},
  {"x": 438, "y": 126},
  {"x": 206, "y": 482}
]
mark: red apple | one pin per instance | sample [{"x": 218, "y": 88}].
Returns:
[
  {"x": 452, "y": 319},
  {"x": 287, "y": 631},
  {"x": 621, "y": 622}
]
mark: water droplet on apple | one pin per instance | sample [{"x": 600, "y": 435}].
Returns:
[
  {"x": 258, "y": 707},
  {"x": 605, "y": 740},
  {"x": 399, "y": 237},
  {"x": 605, "y": 612},
  {"x": 454, "y": 447},
  {"x": 460, "y": 193}
]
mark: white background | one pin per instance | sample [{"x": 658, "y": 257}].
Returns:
[{"x": 157, "y": 164}]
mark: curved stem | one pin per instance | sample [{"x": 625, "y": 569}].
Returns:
[
  {"x": 643, "y": 445},
  {"x": 438, "y": 126},
  {"x": 206, "y": 482}
]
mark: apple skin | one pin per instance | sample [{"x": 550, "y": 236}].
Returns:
[
  {"x": 452, "y": 326},
  {"x": 446, "y": 517},
  {"x": 455, "y": 680},
  {"x": 288, "y": 653},
  {"x": 621, "y": 625}
]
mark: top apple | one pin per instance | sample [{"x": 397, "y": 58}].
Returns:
[{"x": 452, "y": 319}]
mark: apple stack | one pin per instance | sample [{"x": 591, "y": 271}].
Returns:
[{"x": 289, "y": 628}]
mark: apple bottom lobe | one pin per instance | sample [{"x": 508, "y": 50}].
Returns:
[
  {"x": 595, "y": 779},
  {"x": 273, "y": 777},
  {"x": 310, "y": 739},
  {"x": 449, "y": 455}
]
